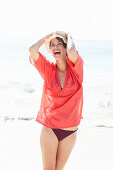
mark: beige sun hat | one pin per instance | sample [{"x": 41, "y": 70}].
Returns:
[{"x": 59, "y": 34}]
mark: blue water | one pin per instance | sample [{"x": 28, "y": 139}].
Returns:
[{"x": 21, "y": 85}]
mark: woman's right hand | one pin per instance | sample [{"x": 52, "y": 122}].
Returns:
[
  {"x": 49, "y": 35},
  {"x": 35, "y": 47}
]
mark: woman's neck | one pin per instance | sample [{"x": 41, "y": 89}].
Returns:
[{"x": 61, "y": 65}]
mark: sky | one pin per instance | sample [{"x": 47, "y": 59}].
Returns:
[{"x": 83, "y": 19}]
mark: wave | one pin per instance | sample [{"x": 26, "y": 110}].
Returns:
[
  {"x": 8, "y": 118},
  {"x": 104, "y": 126}
]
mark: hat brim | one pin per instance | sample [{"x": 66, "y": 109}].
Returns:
[{"x": 60, "y": 35}]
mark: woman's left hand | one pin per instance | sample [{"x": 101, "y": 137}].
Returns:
[
  {"x": 71, "y": 50},
  {"x": 70, "y": 43}
]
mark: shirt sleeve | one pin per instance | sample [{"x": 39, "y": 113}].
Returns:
[
  {"x": 43, "y": 66},
  {"x": 77, "y": 68}
]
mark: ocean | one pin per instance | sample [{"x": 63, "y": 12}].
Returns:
[{"x": 21, "y": 84}]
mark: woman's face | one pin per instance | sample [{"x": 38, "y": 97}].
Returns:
[{"x": 57, "y": 49}]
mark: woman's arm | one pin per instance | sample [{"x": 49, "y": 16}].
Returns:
[
  {"x": 71, "y": 50},
  {"x": 35, "y": 47}
]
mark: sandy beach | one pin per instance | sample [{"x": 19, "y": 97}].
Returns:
[{"x": 20, "y": 147}]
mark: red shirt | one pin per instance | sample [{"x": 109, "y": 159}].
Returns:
[{"x": 60, "y": 108}]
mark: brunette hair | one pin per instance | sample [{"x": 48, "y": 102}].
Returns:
[{"x": 61, "y": 40}]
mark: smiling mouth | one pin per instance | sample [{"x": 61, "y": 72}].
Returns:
[{"x": 57, "y": 52}]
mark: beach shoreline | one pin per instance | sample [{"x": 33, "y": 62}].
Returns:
[{"x": 20, "y": 96}]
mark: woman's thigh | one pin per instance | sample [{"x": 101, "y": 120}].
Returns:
[
  {"x": 64, "y": 149},
  {"x": 49, "y": 146}
]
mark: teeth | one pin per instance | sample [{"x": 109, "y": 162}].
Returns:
[{"x": 57, "y": 51}]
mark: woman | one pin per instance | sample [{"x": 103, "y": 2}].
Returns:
[{"x": 62, "y": 98}]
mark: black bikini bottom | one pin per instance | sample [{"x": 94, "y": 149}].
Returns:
[{"x": 61, "y": 134}]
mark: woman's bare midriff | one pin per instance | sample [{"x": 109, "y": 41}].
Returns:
[{"x": 71, "y": 128}]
